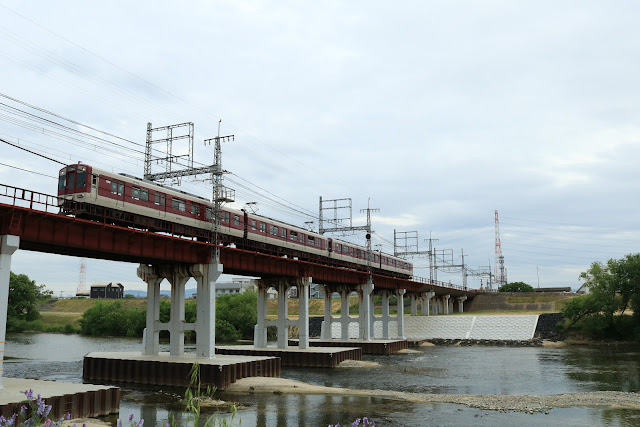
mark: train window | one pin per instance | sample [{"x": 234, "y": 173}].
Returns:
[
  {"x": 178, "y": 204},
  {"x": 376, "y": 258},
  {"x": 135, "y": 193},
  {"x": 284, "y": 233},
  {"x": 160, "y": 199},
  {"x": 236, "y": 220},
  {"x": 81, "y": 177},
  {"x": 293, "y": 235},
  {"x": 253, "y": 225},
  {"x": 263, "y": 227},
  {"x": 117, "y": 188},
  {"x": 144, "y": 195},
  {"x": 358, "y": 253},
  {"x": 208, "y": 214},
  {"x": 273, "y": 230},
  {"x": 312, "y": 240},
  {"x": 62, "y": 181},
  {"x": 302, "y": 238},
  {"x": 226, "y": 217},
  {"x": 195, "y": 209}
]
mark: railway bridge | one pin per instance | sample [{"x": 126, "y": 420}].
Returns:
[{"x": 31, "y": 221}]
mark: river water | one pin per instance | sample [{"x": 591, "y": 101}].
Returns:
[{"x": 454, "y": 370}]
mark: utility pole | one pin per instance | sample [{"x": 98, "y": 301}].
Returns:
[
  {"x": 220, "y": 193},
  {"x": 368, "y": 210}
]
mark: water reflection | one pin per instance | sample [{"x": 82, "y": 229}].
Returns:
[{"x": 459, "y": 370}]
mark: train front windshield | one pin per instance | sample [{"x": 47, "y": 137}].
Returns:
[{"x": 72, "y": 177}]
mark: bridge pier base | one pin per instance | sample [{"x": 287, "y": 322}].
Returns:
[
  {"x": 8, "y": 245},
  {"x": 445, "y": 303},
  {"x": 414, "y": 304}
]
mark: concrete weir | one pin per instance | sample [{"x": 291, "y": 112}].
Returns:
[
  {"x": 79, "y": 400},
  {"x": 134, "y": 367}
]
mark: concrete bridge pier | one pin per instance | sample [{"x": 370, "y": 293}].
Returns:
[
  {"x": 461, "y": 301},
  {"x": 328, "y": 313},
  {"x": 385, "y": 315},
  {"x": 445, "y": 303},
  {"x": 204, "y": 327},
  {"x": 206, "y": 276},
  {"x": 344, "y": 312},
  {"x": 260, "y": 330},
  {"x": 8, "y": 245},
  {"x": 365, "y": 311},
  {"x": 426, "y": 302},
  {"x": 282, "y": 323},
  {"x": 151, "y": 335},
  {"x": 414, "y": 304},
  {"x": 400, "y": 316}
]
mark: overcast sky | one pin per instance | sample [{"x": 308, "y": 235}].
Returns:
[{"x": 438, "y": 112}]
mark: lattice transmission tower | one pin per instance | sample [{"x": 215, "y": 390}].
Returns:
[
  {"x": 500, "y": 272},
  {"x": 82, "y": 280}
]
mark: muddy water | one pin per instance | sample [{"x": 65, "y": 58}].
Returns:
[{"x": 459, "y": 370}]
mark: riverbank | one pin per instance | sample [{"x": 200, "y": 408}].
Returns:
[{"x": 495, "y": 402}]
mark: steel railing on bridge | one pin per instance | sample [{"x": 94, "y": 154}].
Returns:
[{"x": 42, "y": 202}]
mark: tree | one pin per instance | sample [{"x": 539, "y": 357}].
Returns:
[
  {"x": 516, "y": 287},
  {"x": 240, "y": 311},
  {"x": 614, "y": 287},
  {"x": 23, "y": 296}
]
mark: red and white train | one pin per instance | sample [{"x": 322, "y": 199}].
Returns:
[{"x": 98, "y": 195}]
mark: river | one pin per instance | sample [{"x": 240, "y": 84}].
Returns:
[{"x": 453, "y": 370}]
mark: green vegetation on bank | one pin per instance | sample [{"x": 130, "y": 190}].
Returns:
[
  {"x": 611, "y": 309},
  {"x": 516, "y": 287}
]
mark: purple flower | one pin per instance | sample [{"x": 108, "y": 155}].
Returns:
[
  {"x": 68, "y": 416},
  {"x": 139, "y": 423},
  {"x": 29, "y": 394},
  {"x": 356, "y": 422},
  {"x": 23, "y": 409},
  {"x": 130, "y": 417}
]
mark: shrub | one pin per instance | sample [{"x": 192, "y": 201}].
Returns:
[
  {"x": 239, "y": 310},
  {"x": 225, "y": 332},
  {"x": 516, "y": 287}
]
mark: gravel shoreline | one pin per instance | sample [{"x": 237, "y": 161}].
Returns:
[{"x": 496, "y": 402}]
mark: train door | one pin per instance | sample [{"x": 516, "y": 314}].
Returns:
[
  {"x": 94, "y": 187},
  {"x": 246, "y": 225},
  {"x": 330, "y": 245}
]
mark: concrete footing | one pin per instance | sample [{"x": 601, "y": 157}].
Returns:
[
  {"x": 368, "y": 347},
  {"x": 163, "y": 369},
  {"x": 79, "y": 400},
  {"x": 313, "y": 357}
]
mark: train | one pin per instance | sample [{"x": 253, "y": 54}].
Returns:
[{"x": 122, "y": 199}]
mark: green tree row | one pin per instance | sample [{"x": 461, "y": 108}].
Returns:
[
  {"x": 22, "y": 306},
  {"x": 614, "y": 292},
  {"x": 236, "y": 316}
]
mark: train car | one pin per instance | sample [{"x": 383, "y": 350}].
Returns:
[{"x": 121, "y": 199}]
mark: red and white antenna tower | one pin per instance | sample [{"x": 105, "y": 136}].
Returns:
[
  {"x": 499, "y": 270},
  {"x": 82, "y": 279}
]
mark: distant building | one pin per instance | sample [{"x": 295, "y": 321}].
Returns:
[
  {"x": 236, "y": 286},
  {"x": 107, "y": 290}
]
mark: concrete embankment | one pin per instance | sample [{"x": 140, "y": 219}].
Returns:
[{"x": 518, "y": 301}]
